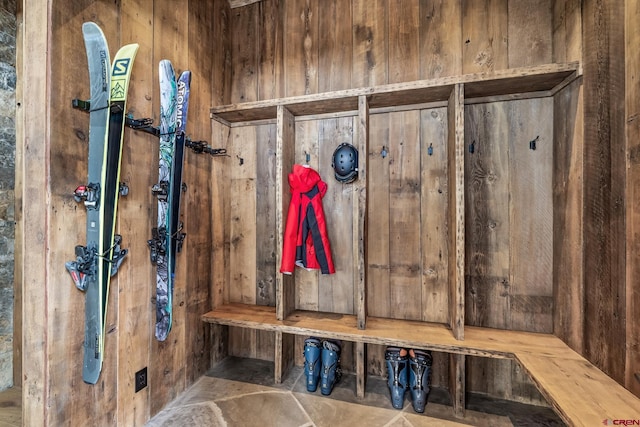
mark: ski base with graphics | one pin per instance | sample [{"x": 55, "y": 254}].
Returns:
[{"x": 96, "y": 262}]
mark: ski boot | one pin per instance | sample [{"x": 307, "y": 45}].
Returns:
[
  {"x": 331, "y": 371},
  {"x": 420, "y": 378},
  {"x": 312, "y": 350},
  {"x": 397, "y": 367}
]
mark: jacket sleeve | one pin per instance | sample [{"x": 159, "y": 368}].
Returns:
[
  {"x": 290, "y": 236},
  {"x": 318, "y": 227}
]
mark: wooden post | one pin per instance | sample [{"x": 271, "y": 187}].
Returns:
[
  {"x": 457, "y": 383},
  {"x": 33, "y": 142},
  {"x": 285, "y": 154},
  {"x": 360, "y": 213},
  {"x": 455, "y": 117}
]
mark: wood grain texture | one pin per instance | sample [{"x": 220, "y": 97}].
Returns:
[
  {"x": 568, "y": 270},
  {"x": 529, "y": 32},
  {"x": 35, "y": 162},
  {"x": 135, "y": 218},
  {"x": 285, "y": 158},
  {"x": 531, "y": 214},
  {"x": 440, "y": 38},
  {"x": 336, "y": 291},
  {"x": 404, "y": 42},
  {"x": 456, "y": 221},
  {"x": 370, "y": 43},
  {"x": 378, "y": 198},
  {"x": 301, "y": 47},
  {"x": 360, "y": 209},
  {"x": 335, "y": 43},
  {"x": 405, "y": 263},
  {"x": 604, "y": 154},
  {"x": 484, "y": 34},
  {"x": 66, "y": 168},
  {"x": 167, "y": 368},
  {"x": 632, "y": 116}
]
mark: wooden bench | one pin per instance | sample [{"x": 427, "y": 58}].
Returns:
[{"x": 580, "y": 393}]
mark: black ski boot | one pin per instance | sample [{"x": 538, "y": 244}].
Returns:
[
  {"x": 331, "y": 371},
  {"x": 420, "y": 378},
  {"x": 397, "y": 367},
  {"x": 312, "y": 349}
]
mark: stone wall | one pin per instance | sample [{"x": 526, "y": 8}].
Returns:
[{"x": 7, "y": 181}]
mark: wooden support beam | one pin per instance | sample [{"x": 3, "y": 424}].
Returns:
[
  {"x": 285, "y": 157},
  {"x": 360, "y": 213},
  {"x": 455, "y": 117}
]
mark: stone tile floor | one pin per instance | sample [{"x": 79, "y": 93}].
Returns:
[{"x": 241, "y": 392}]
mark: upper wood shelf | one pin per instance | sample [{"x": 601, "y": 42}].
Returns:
[
  {"x": 543, "y": 78},
  {"x": 579, "y": 392}
]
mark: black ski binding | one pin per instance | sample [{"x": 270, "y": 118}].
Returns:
[
  {"x": 89, "y": 194},
  {"x": 161, "y": 190},
  {"x": 157, "y": 243},
  {"x": 118, "y": 254},
  {"x": 83, "y": 267},
  {"x": 179, "y": 237}
]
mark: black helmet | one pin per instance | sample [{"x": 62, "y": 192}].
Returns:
[{"x": 345, "y": 163}]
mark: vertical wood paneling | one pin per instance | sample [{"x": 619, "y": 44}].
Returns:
[
  {"x": 195, "y": 257},
  {"x": 301, "y": 47},
  {"x": 270, "y": 72},
  {"x": 265, "y": 231},
  {"x": 135, "y": 311},
  {"x": 487, "y": 216},
  {"x": 336, "y": 290},
  {"x": 632, "y": 113},
  {"x": 567, "y": 31},
  {"x": 484, "y": 34},
  {"x": 433, "y": 215},
  {"x": 370, "y": 42},
  {"x": 378, "y": 266},
  {"x": 440, "y": 38},
  {"x": 529, "y": 32},
  {"x": 244, "y": 26},
  {"x": 64, "y": 170},
  {"x": 404, "y": 41},
  {"x": 335, "y": 45},
  {"x": 360, "y": 204},
  {"x": 34, "y": 158},
  {"x": 167, "y": 367},
  {"x": 531, "y": 213},
  {"x": 568, "y": 269},
  {"x": 405, "y": 257},
  {"x": 604, "y": 197}
]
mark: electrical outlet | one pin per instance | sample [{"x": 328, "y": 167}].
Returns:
[{"x": 141, "y": 379}]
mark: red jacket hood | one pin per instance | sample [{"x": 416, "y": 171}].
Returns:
[{"x": 304, "y": 178}]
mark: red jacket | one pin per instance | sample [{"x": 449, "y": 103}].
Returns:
[{"x": 306, "y": 242}]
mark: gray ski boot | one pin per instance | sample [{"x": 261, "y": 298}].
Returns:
[
  {"x": 397, "y": 367},
  {"x": 420, "y": 378},
  {"x": 312, "y": 349},
  {"x": 331, "y": 371}
]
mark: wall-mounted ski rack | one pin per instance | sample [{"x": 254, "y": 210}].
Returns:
[{"x": 145, "y": 125}]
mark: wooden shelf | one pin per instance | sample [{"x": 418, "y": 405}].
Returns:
[
  {"x": 546, "y": 78},
  {"x": 579, "y": 392},
  {"x": 560, "y": 373}
]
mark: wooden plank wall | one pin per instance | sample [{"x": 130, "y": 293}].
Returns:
[
  {"x": 53, "y": 223},
  {"x": 632, "y": 117},
  {"x": 316, "y": 46}
]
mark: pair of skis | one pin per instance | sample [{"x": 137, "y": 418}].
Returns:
[
  {"x": 100, "y": 259},
  {"x": 167, "y": 237}
]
